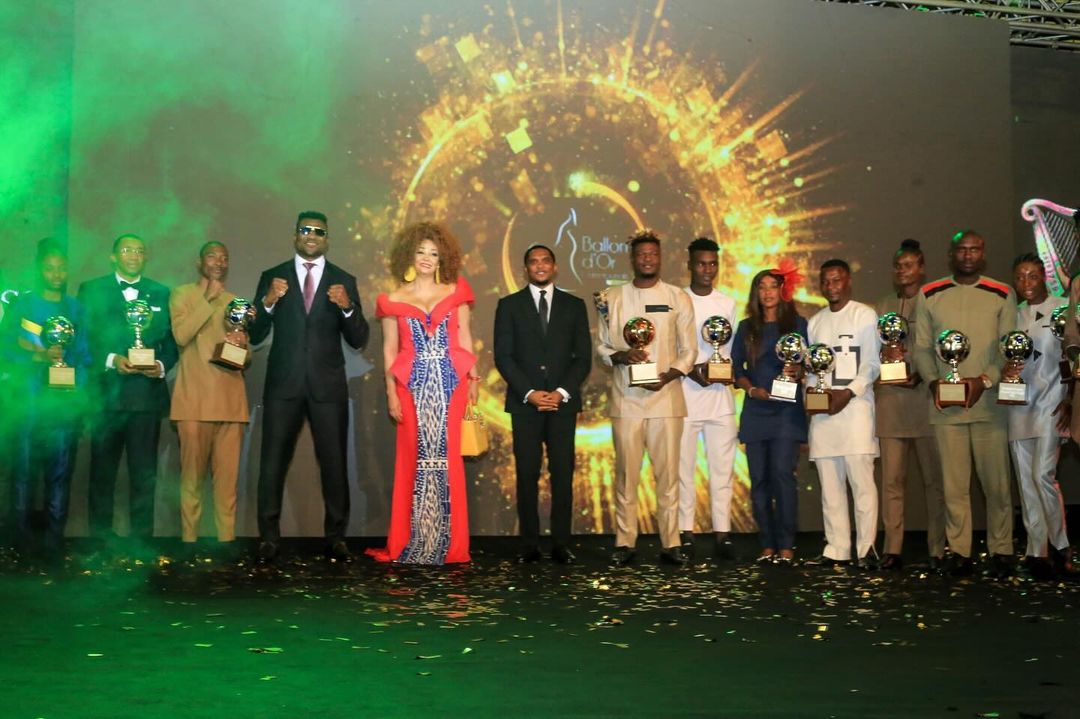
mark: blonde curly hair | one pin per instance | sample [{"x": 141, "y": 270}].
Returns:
[{"x": 408, "y": 239}]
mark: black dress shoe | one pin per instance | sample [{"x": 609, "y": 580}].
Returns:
[
  {"x": 724, "y": 550},
  {"x": 268, "y": 551},
  {"x": 529, "y": 555},
  {"x": 868, "y": 562},
  {"x": 1040, "y": 569},
  {"x": 686, "y": 543},
  {"x": 960, "y": 566},
  {"x": 823, "y": 561},
  {"x": 674, "y": 556},
  {"x": 1000, "y": 566},
  {"x": 563, "y": 555},
  {"x": 623, "y": 556},
  {"x": 339, "y": 551},
  {"x": 937, "y": 565},
  {"x": 1063, "y": 563},
  {"x": 892, "y": 562}
]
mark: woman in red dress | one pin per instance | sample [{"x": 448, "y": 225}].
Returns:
[{"x": 430, "y": 376}]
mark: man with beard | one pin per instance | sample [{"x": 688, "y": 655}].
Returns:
[
  {"x": 209, "y": 402},
  {"x": 542, "y": 350},
  {"x": 1036, "y": 428},
  {"x": 710, "y": 409},
  {"x": 311, "y": 305},
  {"x": 984, "y": 310},
  {"x": 842, "y": 442},
  {"x": 647, "y": 417},
  {"x": 902, "y": 422}
]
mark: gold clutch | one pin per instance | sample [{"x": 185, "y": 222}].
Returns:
[{"x": 474, "y": 437}]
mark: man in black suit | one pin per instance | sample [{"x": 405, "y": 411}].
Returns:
[
  {"x": 543, "y": 351},
  {"x": 131, "y": 400},
  {"x": 311, "y": 305}
]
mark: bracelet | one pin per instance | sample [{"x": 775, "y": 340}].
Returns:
[{"x": 473, "y": 377}]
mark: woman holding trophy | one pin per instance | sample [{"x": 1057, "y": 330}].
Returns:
[
  {"x": 771, "y": 425},
  {"x": 46, "y": 352},
  {"x": 430, "y": 375}
]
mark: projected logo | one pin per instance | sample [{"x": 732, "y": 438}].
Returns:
[{"x": 558, "y": 136}]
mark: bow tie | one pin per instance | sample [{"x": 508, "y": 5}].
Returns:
[{"x": 125, "y": 284}]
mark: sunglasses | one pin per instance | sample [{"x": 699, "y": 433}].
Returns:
[
  {"x": 308, "y": 229},
  {"x": 132, "y": 251}
]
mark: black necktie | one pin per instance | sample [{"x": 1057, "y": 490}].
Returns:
[{"x": 543, "y": 311}]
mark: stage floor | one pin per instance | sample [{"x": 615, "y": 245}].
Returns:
[{"x": 138, "y": 637}]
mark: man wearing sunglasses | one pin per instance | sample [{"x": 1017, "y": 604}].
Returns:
[{"x": 311, "y": 305}]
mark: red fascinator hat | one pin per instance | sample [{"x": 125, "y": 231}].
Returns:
[{"x": 792, "y": 278}]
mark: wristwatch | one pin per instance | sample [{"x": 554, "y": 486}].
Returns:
[{"x": 987, "y": 384}]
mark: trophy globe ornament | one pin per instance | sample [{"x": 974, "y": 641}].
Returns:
[
  {"x": 232, "y": 352},
  {"x": 58, "y": 331},
  {"x": 952, "y": 347},
  {"x": 716, "y": 330},
  {"x": 138, "y": 315},
  {"x": 820, "y": 359},
  {"x": 893, "y": 330},
  {"x": 790, "y": 349},
  {"x": 1017, "y": 347},
  {"x": 639, "y": 332}
]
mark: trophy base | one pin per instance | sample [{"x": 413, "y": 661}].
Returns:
[
  {"x": 62, "y": 377},
  {"x": 721, "y": 373},
  {"x": 643, "y": 373},
  {"x": 1066, "y": 371},
  {"x": 818, "y": 402},
  {"x": 784, "y": 391},
  {"x": 952, "y": 395},
  {"x": 230, "y": 356},
  {"x": 1014, "y": 393},
  {"x": 141, "y": 358},
  {"x": 894, "y": 373}
]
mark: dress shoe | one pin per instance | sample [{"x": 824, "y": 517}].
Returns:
[
  {"x": 892, "y": 562},
  {"x": 686, "y": 543},
  {"x": 339, "y": 551},
  {"x": 562, "y": 555},
  {"x": 724, "y": 549},
  {"x": 960, "y": 566},
  {"x": 937, "y": 565},
  {"x": 1000, "y": 566},
  {"x": 529, "y": 555},
  {"x": 1040, "y": 569},
  {"x": 268, "y": 551},
  {"x": 868, "y": 562},
  {"x": 674, "y": 556},
  {"x": 1063, "y": 563},
  {"x": 623, "y": 556},
  {"x": 826, "y": 562},
  {"x": 765, "y": 558}
]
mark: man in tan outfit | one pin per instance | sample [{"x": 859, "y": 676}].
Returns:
[
  {"x": 1072, "y": 350},
  {"x": 648, "y": 417},
  {"x": 209, "y": 403}
]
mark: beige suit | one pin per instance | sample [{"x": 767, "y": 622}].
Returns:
[
  {"x": 1072, "y": 348},
  {"x": 209, "y": 406},
  {"x": 642, "y": 419}
]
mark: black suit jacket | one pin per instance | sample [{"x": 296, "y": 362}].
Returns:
[
  {"x": 530, "y": 360},
  {"x": 107, "y": 333},
  {"x": 306, "y": 359}
]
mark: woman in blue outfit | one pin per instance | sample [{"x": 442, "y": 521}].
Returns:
[
  {"x": 772, "y": 430},
  {"x": 49, "y": 418}
]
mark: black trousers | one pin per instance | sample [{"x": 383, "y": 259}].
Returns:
[
  {"x": 533, "y": 433},
  {"x": 113, "y": 434},
  {"x": 282, "y": 421}
]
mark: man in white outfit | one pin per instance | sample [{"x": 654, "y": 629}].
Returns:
[
  {"x": 1037, "y": 429},
  {"x": 842, "y": 442},
  {"x": 710, "y": 410}
]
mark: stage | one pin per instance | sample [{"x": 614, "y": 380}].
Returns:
[{"x": 132, "y": 634}]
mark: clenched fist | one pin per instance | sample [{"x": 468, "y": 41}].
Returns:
[
  {"x": 278, "y": 287},
  {"x": 339, "y": 297}
]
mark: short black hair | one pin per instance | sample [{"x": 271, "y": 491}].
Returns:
[
  {"x": 964, "y": 234},
  {"x": 538, "y": 246},
  {"x": 702, "y": 244},
  {"x": 126, "y": 236},
  {"x": 641, "y": 237},
  {"x": 311, "y": 215},
  {"x": 49, "y": 247},
  {"x": 1029, "y": 257},
  {"x": 835, "y": 262},
  {"x": 910, "y": 247},
  {"x": 212, "y": 243}
]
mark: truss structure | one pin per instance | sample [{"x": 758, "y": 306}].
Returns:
[{"x": 1053, "y": 24}]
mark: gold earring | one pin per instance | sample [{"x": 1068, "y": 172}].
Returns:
[
  {"x": 437, "y": 275},
  {"x": 410, "y": 274}
]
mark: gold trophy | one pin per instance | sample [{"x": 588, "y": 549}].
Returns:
[
  {"x": 790, "y": 349},
  {"x": 228, "y": 354},
  {"x": 639, "y": 333},
  {"x": 1017, "y": 347},
  {"x": 58, "y": 331},
  {"x": 952, "y": 347},
  {"x": 138, "y": 315},
  {"x": 717, "y": 332},
  {"x": 893, "y": 330},
  {"x": 819, "y": 360},
  {"x": 1058, "y": 318}
]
